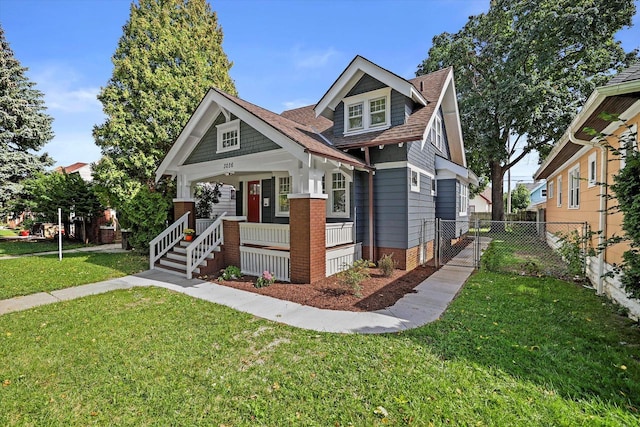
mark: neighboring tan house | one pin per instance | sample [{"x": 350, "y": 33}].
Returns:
[
  {"x": 579, "y": 165},
  {"x": 356, "y": 175},
  {"x": 481, "y": 203}
]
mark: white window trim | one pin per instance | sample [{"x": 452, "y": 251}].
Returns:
[
  {"x": 365, "y": 99},
  {"x": 437, "y": 130},
  {"x": 227, "y": 127},
  {"x": 464, "y": 200},
  {"x": 550, "y": 186},
  {"x": 559, "y": 185},
  {"x": 327, "y": 188},
  {"x": 414, "y": 187},
  {"x": 572, "y": 189},
  {"x": 279, "y": 212},
  {"x": 592, "y": 161}
]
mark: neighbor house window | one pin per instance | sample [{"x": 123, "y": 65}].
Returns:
[
  {"x": 228, "y": 136},
  {"x": 463, "y": 202},
  {"x": 434, "y": 187},
  {"x": 543, "y": 192},
  {"x": 559, "y": 201},
  {"x": 574, "y": 187},
  {"x": 367, "y": 111},
  {"x": 628, "y": 140},
  {"x": 550, "y": 190},
  {"x": 592, "y": 170},
  {"x": 415, "y": 180},
  {"x": 284, "y": 189},
  {"x": 437, "y": 137}
]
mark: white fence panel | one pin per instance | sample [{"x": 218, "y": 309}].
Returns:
[
  {"x": 340, "y": 233},
  {"x": 254, "y": 261},
  {"x": 264, "y": 234},
  {"x": 342, "y": 258}
]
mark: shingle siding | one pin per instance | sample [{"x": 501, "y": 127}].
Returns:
[
  {"x": 251, "y": 141},
  {"x": 388, "y": 153}
]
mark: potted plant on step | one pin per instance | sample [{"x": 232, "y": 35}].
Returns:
[{"x": 189, "y": 234}]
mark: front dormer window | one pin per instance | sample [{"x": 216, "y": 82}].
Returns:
[{"x": 367, "y": 111}]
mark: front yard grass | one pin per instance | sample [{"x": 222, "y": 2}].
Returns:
[
  {"x": 28, "y": 275},
  {"x": 24, "y": 247},
  {"x": 510, "y": 350}
]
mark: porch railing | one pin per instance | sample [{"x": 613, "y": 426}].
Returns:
[
  {"x": 340, "y": 233},
  {"x": 264, "y": 234},
  {"x": 342, "y": 258},
  {"x": 167, "y": 239},
  {"x": 202, "y": 224},
  {"x": 255, "y": 261},
  {"x": 210, "y": 239}
]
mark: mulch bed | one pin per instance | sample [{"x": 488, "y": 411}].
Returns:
[{"x": 377, "y": 292}]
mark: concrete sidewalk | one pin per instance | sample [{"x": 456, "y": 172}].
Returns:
[{"x": 431, "y": 299}]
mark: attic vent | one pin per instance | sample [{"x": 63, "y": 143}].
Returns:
[{"x": 421, "y": 87}]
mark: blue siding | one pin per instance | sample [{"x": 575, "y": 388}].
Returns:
[
  {"x": 446, "y": 199},
  {"x": 388, "y": 153},
  {"x": 391, "y": 208},
  {"x": 397, "y": 108},
  {"x": 364, "y": 85},
  {"x": 421, "y": 206},
  {"x": 251, "y": 141},
  {"x": 361, "y": 205}
]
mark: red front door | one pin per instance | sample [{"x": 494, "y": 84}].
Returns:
[{"x": 253, "y": 201}]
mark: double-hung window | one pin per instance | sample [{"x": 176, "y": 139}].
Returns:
[
  {"x": 336, "y": 185},
  {"x": 367, "y": 111},
  {"x": 228, "y": 136},
  {"x": 574, "y": 187},
  {"x": 550, "y": 190},
  {"x": 283, "y": 188},
  {"x": 559, "y": 201},
  {"x": 463, "y": 202},
  {"x": 414, "y": 180},
  {"x": 437, "y": 137}
]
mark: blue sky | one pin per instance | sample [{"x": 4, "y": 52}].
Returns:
[{"x": 286, "y": 53}]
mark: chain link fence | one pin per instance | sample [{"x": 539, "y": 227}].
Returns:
[{"x": 557, "y": 249}]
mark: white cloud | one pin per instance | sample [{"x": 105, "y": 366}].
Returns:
[
  {"x": 295, "y": 103},
  {"x": 312, "y": 59},
  {"x": 63, "y": 90}
]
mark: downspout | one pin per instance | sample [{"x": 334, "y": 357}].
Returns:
[
  {"x": 371, "y": 223},
  {"x": 602, "y": 220}
]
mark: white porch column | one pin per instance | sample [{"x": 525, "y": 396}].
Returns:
[{"x": 306, "y": 179}]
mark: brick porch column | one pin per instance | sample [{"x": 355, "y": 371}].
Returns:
[
  {"x": 182, "y": 206},
  {"x": 307, "y": 225},
  {"x": 231, "y": 245}
]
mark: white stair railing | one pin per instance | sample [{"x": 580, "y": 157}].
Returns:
[
  {"x": 204, "y": 244},
  {"x": 167, "y": 239}
]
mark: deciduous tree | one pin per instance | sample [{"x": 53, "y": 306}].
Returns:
[{"x": 522, "y": 70}]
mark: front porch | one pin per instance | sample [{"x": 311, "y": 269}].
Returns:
[{"x": 253, "y": 247}]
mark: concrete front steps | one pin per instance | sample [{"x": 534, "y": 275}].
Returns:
[{"x": 175, "y": 261}]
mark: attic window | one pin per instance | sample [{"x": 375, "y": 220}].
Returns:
[
  {"x": 437, "y": 138},
  {"x": 228, "y": 136},
  {"x": 367, "y": 111}
]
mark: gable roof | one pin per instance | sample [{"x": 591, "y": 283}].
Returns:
[
  {"x": 437, "y": 89},
  {"x": 281, "y": 130},
  {"x": 71, "y": 168},
  {"x": 358, "y": 67},
  {"x": 619, "y": 95}
]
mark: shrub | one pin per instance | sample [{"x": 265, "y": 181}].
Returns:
[
  {"x": 265, "y": 280},
  {"x": 387, "y": 265},
  {"x": 352, "y": 277},
  {"x": 492, "y": 258},
  {"x": 230, "y": 273}
]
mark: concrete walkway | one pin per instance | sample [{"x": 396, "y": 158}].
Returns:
[{"x": 431, "y": 299}]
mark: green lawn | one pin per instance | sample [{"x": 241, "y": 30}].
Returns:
[
  {"x": 27, "y": 275},
  {"x": 4, "y": 232},
  {"x": 510, "y": 350},
  {"x": 23, "y": 247}
]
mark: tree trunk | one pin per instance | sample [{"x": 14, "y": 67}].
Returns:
[{"x": 497, "y": 202}]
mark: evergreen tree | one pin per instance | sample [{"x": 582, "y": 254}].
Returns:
[
  {"x": 169, "y": 55},
  {"x": 522, "y": 70},
  {"x": 24, "y": 127}
]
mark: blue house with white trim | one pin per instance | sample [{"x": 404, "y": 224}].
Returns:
[{"x": 371, "y": 161}]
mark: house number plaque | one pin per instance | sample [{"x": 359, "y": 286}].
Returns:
[{"x": 228, "y": 165}]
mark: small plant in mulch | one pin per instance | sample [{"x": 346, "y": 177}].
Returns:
[
  {"x": 265, "y": 280},
  {"x": 387, "y": 265},
  {"x": 352, "y": 277},
  {"x": 230, "y": 273}
]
